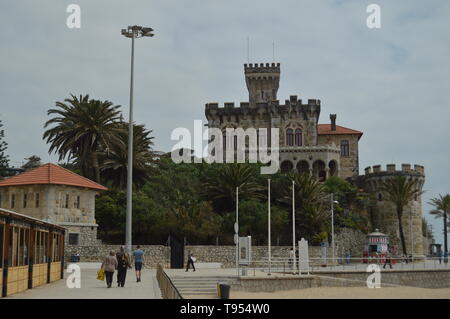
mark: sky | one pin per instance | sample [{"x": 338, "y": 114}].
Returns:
[{"x": 392, "y": 83}]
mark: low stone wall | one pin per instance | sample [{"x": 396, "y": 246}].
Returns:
[
  {"x": 423, "y": 278},
  {"x": 411, "y": 278},
  {"x": 256, "y": 284},
  {"x": 226, "y": 255},
  {"x": 153, "y": 254}
]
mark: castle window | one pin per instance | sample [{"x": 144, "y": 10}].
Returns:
[
  {"x": 25, "y": 197},
  {"x": 13, "y": 200},
  {"x": 77, "y": 203},
  {"x": 380, "y": 197},
  {"x": 298, "y": 137},
  {"x": 289, "y": 137},
  {"x": 37, "y": 200},
  {"x": 345, "y": 149},
  {"x": 67, "y": 201}
]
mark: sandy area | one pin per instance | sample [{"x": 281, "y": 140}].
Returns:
[{"x": 348, "y": 293}]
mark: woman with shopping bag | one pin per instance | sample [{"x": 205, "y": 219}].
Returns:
[{"x": 109, "y": 265}]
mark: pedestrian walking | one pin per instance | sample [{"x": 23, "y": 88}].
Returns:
[
  {"x": 109, "y": 265},
  {"x": 387, "y": 260},
  {"x": 138, "y": 259},
  {"x": 291, "y": 258},
  {"x": 123, "y": 263},
  {"x": 191, "y": 260},
  {"x": 439, "y": 254},
  {"x": 445, "y": 257}
]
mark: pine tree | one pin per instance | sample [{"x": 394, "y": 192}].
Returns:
[{"x": 4, "y": 159}]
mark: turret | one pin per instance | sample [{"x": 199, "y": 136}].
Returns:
[{"x": 262, "y": 82}]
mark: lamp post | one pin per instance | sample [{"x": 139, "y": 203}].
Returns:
[
  {"x": 332, "y": 224},
  {"x": 132, "y": 32}
]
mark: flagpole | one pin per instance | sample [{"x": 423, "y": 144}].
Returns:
[
  {"x": 269, "y": 241},
  {"x": 236, "y": 229},
  {"x": 293, "y": 225}
]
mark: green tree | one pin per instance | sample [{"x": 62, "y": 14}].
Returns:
[
  {"x": 114, "y": 161},
  {"x": 220, "y": 182},
  {"x": 81, "y": 129},
  {"x": 441, "y": 209},
  {"x": 32, "y": 162},
  {"x": 4, "y": 159},
  {"x": 400, "y": 191}
]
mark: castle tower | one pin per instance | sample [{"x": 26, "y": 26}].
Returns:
[
  {"x": 383, "y": 213},
  {"x": 262, "y": 82}
]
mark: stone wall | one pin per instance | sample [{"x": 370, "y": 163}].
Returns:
[
  {"x": 226, "y": 255},
  {"x": 153, "y": 254},
  {"x": 423, "y": 278},
  {"x": 410, "y": 278}
]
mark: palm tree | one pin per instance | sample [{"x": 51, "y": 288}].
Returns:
[
  {"x": 442, "y": 208},
  {"x": 400, "y": 191},
  {"x": 114, "y": 163},
  {"x": 83, "y": 128},
  {"x": 221, "y": 180}
]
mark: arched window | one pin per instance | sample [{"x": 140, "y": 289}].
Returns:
[
  {"x": 289, "y": 137},
  {"x": 298, "y": 137}
]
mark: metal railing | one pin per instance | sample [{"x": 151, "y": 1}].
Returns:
[
  {"x": 168, "y": 289},
  {"x": 285, "y": 266}
]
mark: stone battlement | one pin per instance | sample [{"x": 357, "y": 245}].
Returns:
[
  {"x": 262, "y": 68},
  {"x": 391, "y": 168},
  {"x": 293, "y": 101}
]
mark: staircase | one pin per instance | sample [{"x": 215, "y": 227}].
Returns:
[{"x": 199, "y": 287}]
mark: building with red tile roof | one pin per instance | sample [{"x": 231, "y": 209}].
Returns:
[{"x": 58, "y": 195}]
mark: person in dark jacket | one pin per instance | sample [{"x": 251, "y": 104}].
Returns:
[
  {"x": 123, "y": 263},
  {"x": 190, "y": 262}
]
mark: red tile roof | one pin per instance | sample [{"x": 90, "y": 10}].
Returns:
[
  {"x": 325, "y": 129},
  {"x": 51, "y": 174}
]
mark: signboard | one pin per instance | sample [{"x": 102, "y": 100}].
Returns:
[
  {"x": 303, "y": 255},
  {"x": 245, "y": 250}
]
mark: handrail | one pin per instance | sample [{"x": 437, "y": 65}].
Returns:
[{"x": 168, "y": 289}]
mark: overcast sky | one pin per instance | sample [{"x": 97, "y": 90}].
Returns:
[{"x": 391, "y": 83}]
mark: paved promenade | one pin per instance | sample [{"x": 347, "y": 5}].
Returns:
[{"x": 91, "y": 288}]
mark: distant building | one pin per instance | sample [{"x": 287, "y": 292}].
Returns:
[
  {"x": 57, "y": 195},
  {"x": 322, "y": 150}
]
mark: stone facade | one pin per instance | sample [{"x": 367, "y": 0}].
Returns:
[
  {"x": 67, "y": 206},
  {"x": 384, "y": 216},
  {"x": 304, "y": 147}
]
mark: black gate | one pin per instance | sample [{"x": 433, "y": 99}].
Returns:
[{"x": 176, "y": 252}]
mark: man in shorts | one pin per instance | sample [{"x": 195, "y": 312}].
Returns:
[{"x": 138, "y": 258}]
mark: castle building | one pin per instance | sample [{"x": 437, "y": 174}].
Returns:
[
  {"x": 321, "y": 150},
  {"x": 56, "y": 195},
  {"x": 306, "y": 146}
]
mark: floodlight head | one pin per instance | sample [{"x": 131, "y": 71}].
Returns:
[
  {"x": 148, "y": 34},
  {"x": 147, "y": 30},
  {"x": 124, "y": 31},
  {"x": 335, "y": 202}
]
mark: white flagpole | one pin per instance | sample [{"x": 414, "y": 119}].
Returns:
[
  {"x": 237, "y": 230},
  {"x": 293, "y": 225},
  {"x": 269, "y": 241}
]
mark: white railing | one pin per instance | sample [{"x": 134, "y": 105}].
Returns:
[{"x": 285, "y": 266}]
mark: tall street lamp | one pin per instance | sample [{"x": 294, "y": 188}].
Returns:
[
  {"x": 132, "y": 32},
  {"x": 332, "y": 225}
]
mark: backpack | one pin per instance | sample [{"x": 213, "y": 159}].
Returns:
[{"x": 122, "y": 261}]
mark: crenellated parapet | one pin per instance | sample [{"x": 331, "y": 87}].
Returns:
[
  {"x": 391, "y": 169},
  {"x": 292, "y": 108},
  {"x": 261, "y": 68}
]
